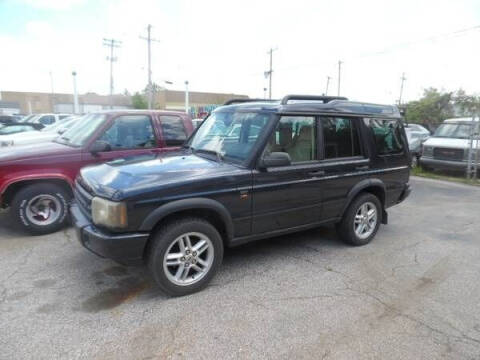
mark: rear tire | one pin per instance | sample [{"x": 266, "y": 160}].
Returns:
[
  {"x": 361, "y": 221},
  {"x": 40, "y": 208},
  {"x": 184, "y": 269}
]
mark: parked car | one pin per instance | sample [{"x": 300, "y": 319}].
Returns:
[
  {"x": 197, "y": 122},
  {"x": 45, "y": 119},
  {"x": 28, "y": 135},
  {"x": 290, "y": 167},
  {"x": 415, "y": 140},
  {"x": 419, "y": 129},
  {"x": 15, "y": 128},
  {"x": 36, "y": 180},
  {"x": 7, "y": 119},
  {"x": 448, "y": 148}
]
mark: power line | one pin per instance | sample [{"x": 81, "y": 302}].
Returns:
[
  {"x": 111, "y": 43},
  {"x": 149, "y": 54}
]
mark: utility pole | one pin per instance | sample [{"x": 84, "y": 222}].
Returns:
[
  {"x": 111, "y": 43},
  {"x": 264, "y": 92},
  {"x": 149, "y": 54},
  {"x": 75, "y": 94},
  {"x": 186, "y": 98},
  {"x": 328, "y": 82},
  {"x": 270, "y": 72},
  {"x": 403, "y": 78},
  {"x": 339, "y": 74}
]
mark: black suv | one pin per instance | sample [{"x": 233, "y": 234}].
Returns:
[{"x": 251, "y": 170}]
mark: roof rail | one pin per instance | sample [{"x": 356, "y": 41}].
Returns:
[
  {"x": 239, "y": 101},
  {"x": 324, "y": 99}
]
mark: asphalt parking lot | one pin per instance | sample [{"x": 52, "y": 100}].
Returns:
[{"x": 413, "y": 293}]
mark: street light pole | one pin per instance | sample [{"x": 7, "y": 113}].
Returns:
[{"x": 75, "y": 94}]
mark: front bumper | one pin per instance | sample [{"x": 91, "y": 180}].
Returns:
[
  {"x": 126, "y": 249},
  {"x": 443, "y": 164}
]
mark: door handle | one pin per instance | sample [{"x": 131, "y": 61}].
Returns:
[
  {"x": 365, "y": 167},
  {"x": 317, "y": 173}
]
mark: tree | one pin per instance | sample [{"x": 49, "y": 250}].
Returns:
[
  {"x": 431, "y": 109},
  {"x": 466, "y": 105},
  {"x": 139, "y": 101}
]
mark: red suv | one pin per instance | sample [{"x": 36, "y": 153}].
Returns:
[{"x": 36, "y": 180}]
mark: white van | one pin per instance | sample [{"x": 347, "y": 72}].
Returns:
[{"x": 448, "y": 147}]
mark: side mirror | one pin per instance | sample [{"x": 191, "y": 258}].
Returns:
[
  {"x": 275, "y": 159},
  {"x": 61, "y": 131},
  {"x": 100, "y": 146}
]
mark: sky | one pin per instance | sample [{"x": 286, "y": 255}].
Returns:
[{"x": 222, "y": 45}]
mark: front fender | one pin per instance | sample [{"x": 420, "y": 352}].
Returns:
[
  {"x": 10, "y": 180},
  {"x": 188, "y": 204}
]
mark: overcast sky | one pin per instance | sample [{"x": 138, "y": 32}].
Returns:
[{"x": 221, "y": 45}]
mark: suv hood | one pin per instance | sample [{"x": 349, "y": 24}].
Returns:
[
  {"x": 29, "y": 137},
  {"x": 451, "y": 143},
  {"x": 34, "y": 151},
  {"x": 120, "y": 179}
]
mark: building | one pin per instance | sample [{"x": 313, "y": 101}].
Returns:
[
  {"x": 200, "y": 103},
  {"x": 37, "y": 102}
]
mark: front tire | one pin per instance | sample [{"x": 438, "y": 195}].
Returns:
[
  {"x": 361, "y": 221},
  {"x": 185, "y": 255},
  {"x": 40, "y": 208}
]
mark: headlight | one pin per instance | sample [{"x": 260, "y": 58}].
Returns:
[
  {"x": 109, "y": 213},
  {"x": 6, "y": 143},
  {"x": 427, "y": 151}
]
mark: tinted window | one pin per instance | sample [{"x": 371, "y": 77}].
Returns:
[
  {"x": 340, "y": 137},
  {"x": 130, "y": 132},
  {"x": 47, "y": 119},
  {"x": 388, "y": 136},
  {"x": 173, "y": 130},
  {"x": 297, "y": 136}
]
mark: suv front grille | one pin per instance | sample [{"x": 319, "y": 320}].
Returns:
[
  {"x": 448, "y": 154},
  {"x": 83, "y": 198}
]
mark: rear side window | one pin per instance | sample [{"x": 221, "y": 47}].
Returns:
[
  {"x": 388, "y": 135},
  {"x": 340, "y": 138},
  {"x": 173, "y": 130}
]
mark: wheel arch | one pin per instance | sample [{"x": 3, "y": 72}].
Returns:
[
  {"x": 373, "y": 186},
  {"x": 14, "y": 186},
  {"x": 208, "y": 209}
]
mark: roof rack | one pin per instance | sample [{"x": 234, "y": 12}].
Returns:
[
  {"x": 324, "y": 99},
  {"x": 239, "y": 101}
]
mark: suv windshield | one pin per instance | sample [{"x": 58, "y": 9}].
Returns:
[
  {"x": 229, "y": 135},
  {"x": 81, "y": 132},
  {"x": 457, "y": 131}
]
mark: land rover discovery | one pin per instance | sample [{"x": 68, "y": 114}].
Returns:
[{"x": 251, "y": 170}]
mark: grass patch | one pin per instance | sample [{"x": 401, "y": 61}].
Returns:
[{"x": 441, "y": 175}]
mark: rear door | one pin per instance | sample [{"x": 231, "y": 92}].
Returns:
[
  {"x": 127, "y": 135},
  {"x": 344, "y": 159},
  {"x": 289, "y": 196}
]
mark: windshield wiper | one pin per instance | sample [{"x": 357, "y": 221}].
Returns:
[{"x": 212, "y": 152}]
